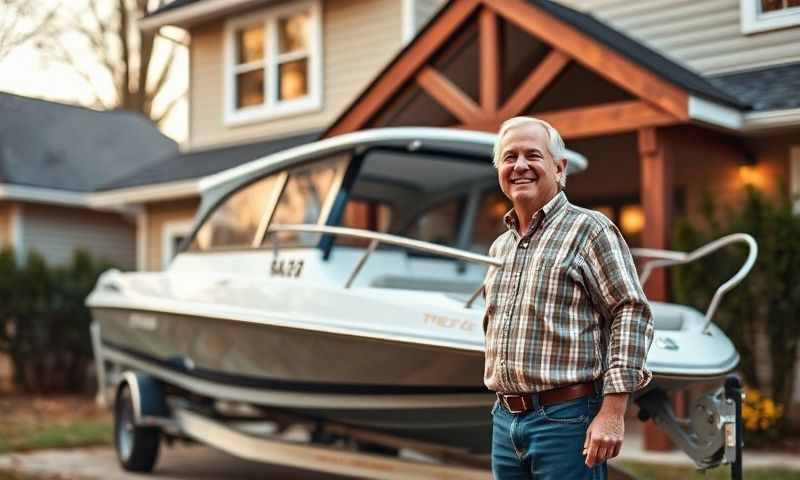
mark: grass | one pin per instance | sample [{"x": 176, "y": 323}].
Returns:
[
  {"x": 76, "y": 433},
  {"x": 649, "y": 471},
  {"x": 34, "y": 423}
]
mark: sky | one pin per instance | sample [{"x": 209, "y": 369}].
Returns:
[{"x": 26, "y": 71}]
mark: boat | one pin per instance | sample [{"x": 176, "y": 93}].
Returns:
[{"x": 340, "y": 281}]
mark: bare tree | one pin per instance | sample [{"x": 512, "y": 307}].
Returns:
[
  {"x": 20, "y": 22},
  {"x": 116, "y": 56}
]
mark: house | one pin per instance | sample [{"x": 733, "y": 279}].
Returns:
[
  {"x": 52, "y": 157},
  {"x": 657, "y": 132},
  {"x": 264, "y": 75},
  {"x": 667, "y": 99}
]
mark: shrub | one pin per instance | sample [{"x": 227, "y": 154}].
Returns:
[
  {"x": 44, "y": 325},
  {"x": 767, "y": 303}
]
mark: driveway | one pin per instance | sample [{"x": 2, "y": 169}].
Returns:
[{"x": 176, "y": 463}]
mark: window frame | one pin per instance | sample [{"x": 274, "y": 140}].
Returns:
[
  {"x": 266, "y": 215},
  {"x": 272, "y": 107},
  {"x": 169, "y": 231},
  {"x": 340, "y": 162},
  {"x": 753, "y": 20}
]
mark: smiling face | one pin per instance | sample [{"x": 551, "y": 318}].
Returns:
[{"x": 525, "y": 168}]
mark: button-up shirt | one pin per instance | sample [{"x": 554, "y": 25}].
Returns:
[{"x": 566, "y": 306}]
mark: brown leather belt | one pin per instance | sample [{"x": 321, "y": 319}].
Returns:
[{"x": 522, "y": 402}]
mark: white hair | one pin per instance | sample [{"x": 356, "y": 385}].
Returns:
[{"x": 555, "y": 145}]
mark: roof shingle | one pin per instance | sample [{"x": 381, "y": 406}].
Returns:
[
  {"x": 53, "y": 145},
  {"x": 770, "y": 88},
  {"x": 198, "y": 164}
]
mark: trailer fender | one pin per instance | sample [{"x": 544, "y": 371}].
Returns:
[{"x": 147, "y": 393}]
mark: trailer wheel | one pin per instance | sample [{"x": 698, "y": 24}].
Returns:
[{"x": 137, "y": 447}]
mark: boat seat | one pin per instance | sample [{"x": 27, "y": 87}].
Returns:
[{"x": 427, "y": 284}]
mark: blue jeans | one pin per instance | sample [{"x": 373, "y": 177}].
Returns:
[{"x": 544, "y": 443}]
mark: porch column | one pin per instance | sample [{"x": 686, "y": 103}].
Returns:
[{"x": 656, "y": 196}]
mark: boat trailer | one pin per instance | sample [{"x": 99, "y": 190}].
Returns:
[{"x": 143, "y": 417}]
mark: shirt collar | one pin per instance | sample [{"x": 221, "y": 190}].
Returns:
[{"x": 546, "y": 213}]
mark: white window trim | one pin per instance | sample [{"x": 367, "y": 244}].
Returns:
[
  {"x": 753, "y": 21},
  {"x": 168, "y": 232},
  {"x": 271, "y": 110},
  {"x": 409, "y": 20},
  {"x": 794, "y": 177},
  {"x": 141, "y": 238}
]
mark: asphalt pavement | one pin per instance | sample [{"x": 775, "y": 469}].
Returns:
[{"x": 176, "y": 463}]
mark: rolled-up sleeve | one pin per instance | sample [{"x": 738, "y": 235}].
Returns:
[{"x": 614, "y": 287}]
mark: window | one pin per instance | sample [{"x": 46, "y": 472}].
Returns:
[
  {"x": 235, "y": 223},
  {"x": 763, "y": 15},
  {"x": 274, "y": 63},
  {"x": 172, "y": 236},
  {"x": 305, "y": 200}
]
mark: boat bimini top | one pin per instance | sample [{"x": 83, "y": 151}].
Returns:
[{"x": 421, "y": 140}]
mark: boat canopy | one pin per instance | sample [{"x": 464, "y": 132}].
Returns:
[{"x": 414, "y": 139}]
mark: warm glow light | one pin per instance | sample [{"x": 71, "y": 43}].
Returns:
[
  {"x": 751, "y": 175},
  {"x": 498, "y": 209},
  {"x": 631, "y": 219}
]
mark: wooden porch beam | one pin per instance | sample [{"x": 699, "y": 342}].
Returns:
[
  {"x": 656, "y": 197},
  {"x": 490, "y": 67},
  {"x": 390, "y": 80},
  {"x": 596, "y": 120},
  {"x": 598, "y": 57},
  {"x": 534, "y": 84},
  {"x": 449, "y": 95}
]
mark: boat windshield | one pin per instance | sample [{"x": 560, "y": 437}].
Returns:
[{"x": 433, "y": 198}]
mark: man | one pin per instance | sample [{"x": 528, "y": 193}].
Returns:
[{"x": 567, "y": 324}]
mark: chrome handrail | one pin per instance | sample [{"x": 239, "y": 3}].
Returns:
[
  {"x": 388, "y": 239},
  {"x": 668, "y": 258}
]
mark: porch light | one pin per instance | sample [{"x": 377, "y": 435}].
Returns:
[
  {"x": 751, "y": 175},
  {"x": 631, "y": 219}
]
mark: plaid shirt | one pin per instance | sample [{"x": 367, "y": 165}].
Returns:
[{"x": 566, "y": 306}]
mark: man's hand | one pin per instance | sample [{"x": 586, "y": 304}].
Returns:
[{"x": 606, "y": 432}]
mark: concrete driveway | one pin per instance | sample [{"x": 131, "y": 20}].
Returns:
[{"x": 176, "y": 463}]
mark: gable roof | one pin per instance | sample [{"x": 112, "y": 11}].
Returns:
[
  {"x": 547, "y": 20},
  {"x": 197, "y": 164},
  {"x": 57, "y": 146},
  {"x": 654, "y": 61}
]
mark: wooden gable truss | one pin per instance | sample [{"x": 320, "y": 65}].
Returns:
[{"x": 655, "y": 102}]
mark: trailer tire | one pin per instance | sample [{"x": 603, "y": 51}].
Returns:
[{"x": 137, "y": 447}]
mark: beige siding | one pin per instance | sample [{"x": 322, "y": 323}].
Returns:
[
  {"x": 158, "y": 216},
  {"x": 424, "y": 10},
  {"x": 56, "y": 232},
  {"x": 705, "y": 35},
  {"x": 359, "y": 38}
]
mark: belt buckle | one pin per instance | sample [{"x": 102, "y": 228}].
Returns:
[{"x": 504, "y": 401}]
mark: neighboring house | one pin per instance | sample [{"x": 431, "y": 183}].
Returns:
[
  {"x": 264, "y": 75},
  {"x": 52, "y": 157}
]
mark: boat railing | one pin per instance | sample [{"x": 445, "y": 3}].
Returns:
[
  {"x": 669, "y": 258},
  {"x": 377, "y": 238}
]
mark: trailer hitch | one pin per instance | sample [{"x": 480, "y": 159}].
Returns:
[{"x": 712, "y": 435}]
